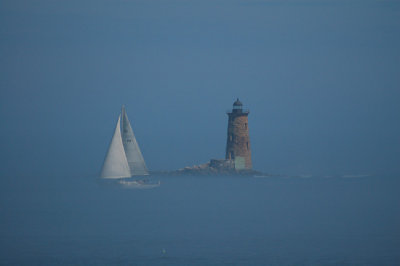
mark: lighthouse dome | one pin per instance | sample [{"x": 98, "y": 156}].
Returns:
[{"x": 237, "y": 103}]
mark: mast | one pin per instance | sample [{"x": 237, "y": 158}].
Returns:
[{"x": 133, "y": 154}]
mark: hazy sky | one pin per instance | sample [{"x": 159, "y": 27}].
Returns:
[{"x": 321, "y": 80}]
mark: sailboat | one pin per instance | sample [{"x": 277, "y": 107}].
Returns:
[{"x": 124, "y": 158}]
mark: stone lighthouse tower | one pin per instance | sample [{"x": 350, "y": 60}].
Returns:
[{"x": 238, "y": 140}]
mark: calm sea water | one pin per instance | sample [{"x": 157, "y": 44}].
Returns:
[{"x": 201, "y": 221}]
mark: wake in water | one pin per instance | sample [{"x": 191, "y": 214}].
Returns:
[
  {"x": 139, "y": 184},
  {"x": 130, "y": 183}
]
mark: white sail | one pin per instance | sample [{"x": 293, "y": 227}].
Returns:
[
  {"x": 133, "y": 155},
  {"x": 116, "y": 165}
]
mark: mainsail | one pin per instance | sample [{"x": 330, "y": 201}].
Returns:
[
  {"x": 116, "y": 165},
  {"x": 132, "y": 150},
  {"x": 124, "y": 158}
]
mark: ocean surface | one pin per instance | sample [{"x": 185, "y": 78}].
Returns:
[{"x": 344, "y": 220}]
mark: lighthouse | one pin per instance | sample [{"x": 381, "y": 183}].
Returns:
[{"x": 238, "y": 140}]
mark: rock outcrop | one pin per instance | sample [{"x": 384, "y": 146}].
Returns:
[{"x": 214, "y": 167}]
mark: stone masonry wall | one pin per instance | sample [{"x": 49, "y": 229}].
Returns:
[{"x": 238, "y": 141}]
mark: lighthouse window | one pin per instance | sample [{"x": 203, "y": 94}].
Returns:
[
  {"x": 245, "y": 125},
  {"x": 247, "y": 144}
]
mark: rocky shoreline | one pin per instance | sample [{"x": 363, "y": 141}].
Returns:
[{"x": 209, "y": 169}]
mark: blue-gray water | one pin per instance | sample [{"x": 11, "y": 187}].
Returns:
[{"x": 201, "y": 221}]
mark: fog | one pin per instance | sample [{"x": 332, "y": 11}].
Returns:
[{"x": 321, "y": 80}]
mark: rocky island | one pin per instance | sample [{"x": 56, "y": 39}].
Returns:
[
  {"x": 213, "y": 167},
  {"x": 237, "y": 154}
]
